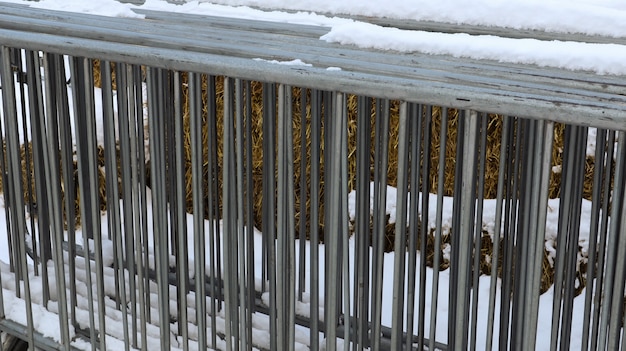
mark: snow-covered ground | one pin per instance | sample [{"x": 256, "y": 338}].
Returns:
[
  {"x": 47, "y": 322},
  {"x": 602, "y": 17}
]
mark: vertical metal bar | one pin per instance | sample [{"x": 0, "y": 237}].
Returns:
[
  {"x": 195, "y": 128},
  {"x": 593, "y": 233},
  {"x": 230, "y": 220},
  {"x": 284, "y": 227},
  {"x": 464, "y": 233},
  {"x": 579, "y": 156},
  {"x": 478, "y": 226},
  {"x": 14, "y": 168},
  {"x": 54, "y": 203},
  {"x": 213, "y": 206},
  {"x": 316, "y": 122},
  {"x": 269, "y": 204},
  {"x": 616, "y": 261},
  {"x": 84, "y": 105},
  {"x": 455, "y": 237},
  {"x": 596, "y": 202},
  {"x": 380, "y": 201},
  {"x": 602, "y": 249},
  {"x": 182, "y": 254},
  {"x": 563, "y": 231},
  {"x": 426, "y": 114},
  {"x": 128, "y": 149},
  {"x": 229, "y": 216},
  {"x": 291, "y": 233},
  {"x": 79, "y": 110},
  {"x": 502, "y": 166},
  {"x": 400, "y": 231},
  {"x": 438, "y": 222},
  {"x": 8, "y": 178},
  {"x": 156, "y": 80},
  {"x": 524, "y": 227},
  {"x": 510, "y": 234},
  {"x": 542, "y": 169},
  {"x": 286, "y": 193},
  {"x": 250, "y": 213},
  {"x": 571, "y": 193},
  {"x": 113, "y": 201},
  {"x": 303, "y": 195},
  {"x": 125, "y": 99},
  {"x": 36, "y": 106},
  {"x": 414, "y": 120},
  {"x": 362, "y": 230},
  {"x": 243, "y": 325},
  {"x": 343, "y": 214},
  {"x": 20, "y": 61},
  {"x": 137, "y": 221},
  {"x": 332, "y": 204}
]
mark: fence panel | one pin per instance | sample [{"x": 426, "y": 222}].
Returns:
[{"x": 166, "y": 188}]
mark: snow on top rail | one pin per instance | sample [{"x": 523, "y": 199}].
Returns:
[{"x": 229, "y": 46}]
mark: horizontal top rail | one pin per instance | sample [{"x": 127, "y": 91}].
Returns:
[{"x": 228, "y": 46}]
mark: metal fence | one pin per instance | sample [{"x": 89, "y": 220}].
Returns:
[{"x": 148, "y": 274}]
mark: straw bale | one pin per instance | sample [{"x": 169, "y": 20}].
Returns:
[{"x": 29, "y": 183}]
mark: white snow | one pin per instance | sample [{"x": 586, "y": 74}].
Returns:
[{"x": 294, "y": 62}]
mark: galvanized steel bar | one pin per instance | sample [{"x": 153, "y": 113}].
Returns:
[
  {"x": 381, "y": 148},
  {"x": 250, "y": 228},
  {"x": 316, "y": 122},
  {"x": 54, "y": 202},
  {"x": 244, "y": 323},
  {"x": 269, "y": 203},
  {"x": 502, "y": 167},
  {"x": 14, "y": 170},
  {"x": 302, "y": 228},
  {"x": 425, "y": 113},
  {"x": 156, "y": 82},
  {"x": 478, "y": 229},
  {"x": 229, "y": 217},
  {"x": 362, "y": 229},
  {"x": 400, "y": 230},
  {"x": 438, "y": 229},
  {"x": 85, "y": 180},
  {"x": 603, "y": 232},
  {"x": 113, "y": 200},
  {"x": 510, "y": 233},
  {"x": 125, "y": 98},
  {"x": 195, "y": 129},
  {"x": 332, "y": 238},
  {"x": 341, "y": 105},
  {"x": 464, "y": 234},
  {"x": 137, "y": 199},
  {"x": 284, "y": 226},
  {"x": 215, "y": 266},
  {"x": 617, "y": 241},
  {"x": 415, "y": 117},
  {"x": 36, "y": 108},
  {"x": 182, "y": 252},
  {"x": 545, "y": 131}
]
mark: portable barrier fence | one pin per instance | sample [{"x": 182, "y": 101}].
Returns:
[{"x": 168, "y": 183}]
